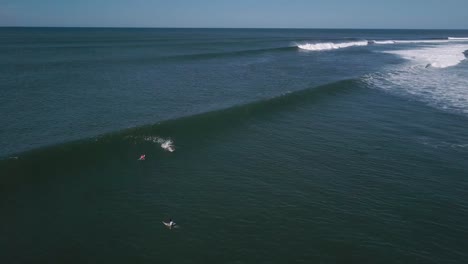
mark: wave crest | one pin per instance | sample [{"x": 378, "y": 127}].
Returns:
[
  {"x": 442, "y": 89},
  {"x": 438, "y": 57},
  {"x": 330, "y": 45}
]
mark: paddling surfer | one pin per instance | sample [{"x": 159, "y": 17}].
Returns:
[{"x": 171, "y": 224}]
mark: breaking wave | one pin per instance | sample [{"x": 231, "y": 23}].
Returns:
[
  {"x": 415, "y": 41},
  {"x": 331, "y": 45},
  {"x": 340, "y": 45},
  {"x": 428, "y": 76},
  {"x": 165, "y": 144},
  {"x": 436, "y": 56}
]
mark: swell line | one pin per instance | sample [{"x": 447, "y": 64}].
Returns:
[
  {"x": 215, "y": 118},
  {"x": 159, "y": 59},
  {"x": 122, "y": 148}
]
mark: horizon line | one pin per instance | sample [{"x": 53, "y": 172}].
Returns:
[{"x": 143, "y": 27}]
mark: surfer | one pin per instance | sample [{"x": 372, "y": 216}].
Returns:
[
  {"x": 142, "y": 157},
  {"x": 170, "y": 224}
]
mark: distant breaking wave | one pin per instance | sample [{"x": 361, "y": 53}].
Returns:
[
  {"x": 382, "y": 42},
  {"x": 340, "y": 45},
  {"x": 449, "y": 39},
  {"x": 409, "y": 41},
  {"x": 437, "y": 57},
  {"x": 421, "y": 78},
  {"x": 331, "y": 45}
]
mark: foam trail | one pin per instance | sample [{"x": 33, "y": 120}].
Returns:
[
  {"x": 423, "y": 41},
  {"x": 331, "y": 45},
  {"x": 429, "y": 41},
  {"x": 416, "y": 41},
  {"x": 438, "y": 57},
  {"x": 166, "y": 144}
]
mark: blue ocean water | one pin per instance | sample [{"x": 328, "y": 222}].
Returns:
[{"x": 264, "y": 145}]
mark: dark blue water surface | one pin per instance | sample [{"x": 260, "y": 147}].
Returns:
[{"x": 291, "y": 146}]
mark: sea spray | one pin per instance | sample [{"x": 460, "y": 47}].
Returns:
[{"x": 166, "y": 144}]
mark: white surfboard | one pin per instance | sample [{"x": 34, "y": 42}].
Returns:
[{"x": 174, "y": 225}]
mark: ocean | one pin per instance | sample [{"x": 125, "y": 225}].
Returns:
[{"x": 263, "y": 145}]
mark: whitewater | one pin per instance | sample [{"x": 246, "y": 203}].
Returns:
[
  {"x": 321, "y": 46},
  {"x": 435, "y": 75}
]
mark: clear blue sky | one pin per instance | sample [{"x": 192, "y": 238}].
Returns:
[{"x": 434, "y": 14}]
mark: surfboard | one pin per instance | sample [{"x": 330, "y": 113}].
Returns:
[{"x": 169, "y": 225}]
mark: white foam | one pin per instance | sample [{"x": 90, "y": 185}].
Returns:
[
  {"x": 434, "y": 143},
  {"x": 415, "y": 41},
  {"x": 383, "y": 42},
  {"x": 166, "y": 144},
  {"x": 437, "y": 56},
  {"x": 423, "y": 41},
  {"x": 330, "y": 45},
  {"x": 440, "y": 85}
]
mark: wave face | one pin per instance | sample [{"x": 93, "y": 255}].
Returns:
[
  {"x": 331, "y": 45},
  {"x": 80, "y": 83},
  {"x": 160, "y": 139}
]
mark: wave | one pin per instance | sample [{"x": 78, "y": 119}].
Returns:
[
  {"x": 421, "y": 41},
  {"x": 211, "y": 55},
  {"x": 156, "y": 59},
  {"x": 331, "y": 45},
  {"x": 124, "y": 147},
  {"x": 415, "y": 41},
  {"x": 165, "y": 133},
  {"x": 417, "y": 79},
  {"x": 166, "y": 144},
  {"x": 439, "y": 89},
  {"x": 438, "y": 56},
  {"x": 382, "y": 42}
]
